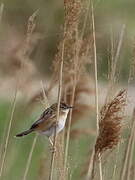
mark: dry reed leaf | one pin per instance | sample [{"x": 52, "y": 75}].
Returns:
[{"x": 110, "y": 123}]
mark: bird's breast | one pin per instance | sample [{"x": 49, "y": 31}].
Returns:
[{"x": 62, "y": 121}]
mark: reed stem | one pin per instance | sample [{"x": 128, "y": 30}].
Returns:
[
  {"x": 29, "y": 158},
  {"x": 8, "y": 134}
]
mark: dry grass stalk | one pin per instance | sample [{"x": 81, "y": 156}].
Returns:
[
  {"x": 127, "y": 149},
  {"x": 112, "y": 74},
  {"x": 67, "y": 46},
  {"x": 96, "y": 80},
  {"x": 68, "y": 132},
  {"x": 60, "y": 77},
  {"x": 58, "y": 101},
  {"x": 60, "y": 156},
  {"x": 29, "y": 158},
  {"x": 30, "y": 28},
  {"x": 31, "y": 25},
  {"x": 113, "y": 66},
  {"x": 88, "y": 165},
  {"x": 74, "y": 58},
  {"x": 132, "y": 146},
  {"x": 116, "y": 161},
  {"x": 8, "y": 134},
  {"x": 114, "y": 62},
  {"x": 132, "y": 67},
  {"x": 46, "y": 104},
  {"x": 1, "y": 12},
  {"x": 95, "y": 67},
  {"x": 118, "y": 50},
  {"x": 125, "y": 173},
  {"x": 74, "y": 66},
  {"x": 96, "y": 94},
  {"x": 134, "y": 173}
]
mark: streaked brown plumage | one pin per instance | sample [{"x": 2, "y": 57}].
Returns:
[{"x": 46, "y": 124}]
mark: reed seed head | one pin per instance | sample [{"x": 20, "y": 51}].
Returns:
[{"x": 110, "y": 123}]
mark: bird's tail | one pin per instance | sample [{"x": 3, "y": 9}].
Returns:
[{"x": 24, "y": 133}]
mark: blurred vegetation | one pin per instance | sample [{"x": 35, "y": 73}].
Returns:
[{"x": 110, "y": 15}]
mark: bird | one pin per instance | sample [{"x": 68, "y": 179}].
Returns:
[{"x": 47, "y": 124}]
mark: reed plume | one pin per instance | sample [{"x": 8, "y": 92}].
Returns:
[{"x": 110, "y": 123}]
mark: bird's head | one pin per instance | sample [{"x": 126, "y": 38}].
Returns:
[{"x": 65, "y": 107}]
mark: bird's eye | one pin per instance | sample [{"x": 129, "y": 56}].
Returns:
[{"x": 63, "y": 106}]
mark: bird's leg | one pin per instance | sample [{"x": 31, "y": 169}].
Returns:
[
  {"x": 51, "y": 142},
  {"x": 52, "y": 145},
  {"x": 53, "y": 149}
]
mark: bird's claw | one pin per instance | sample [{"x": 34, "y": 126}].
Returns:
[{"x": 52, "y": 149}]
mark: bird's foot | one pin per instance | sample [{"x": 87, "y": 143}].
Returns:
[{"x": 52, "y": 149}]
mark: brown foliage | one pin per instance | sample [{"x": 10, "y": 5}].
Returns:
[{"x": 110, "y": 123}]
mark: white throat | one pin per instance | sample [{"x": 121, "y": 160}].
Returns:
[
  {"x": 62, "y": 120},
  {"x": 64, "y": 116}
]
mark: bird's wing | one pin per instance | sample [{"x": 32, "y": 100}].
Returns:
[
  {"x": 49, "y": 123},
  {"x": 44, "y": 118}
]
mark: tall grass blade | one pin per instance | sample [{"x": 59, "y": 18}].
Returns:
[
  {"x": 8, "y": 134},
  {"x": 29, "y": 158}
]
